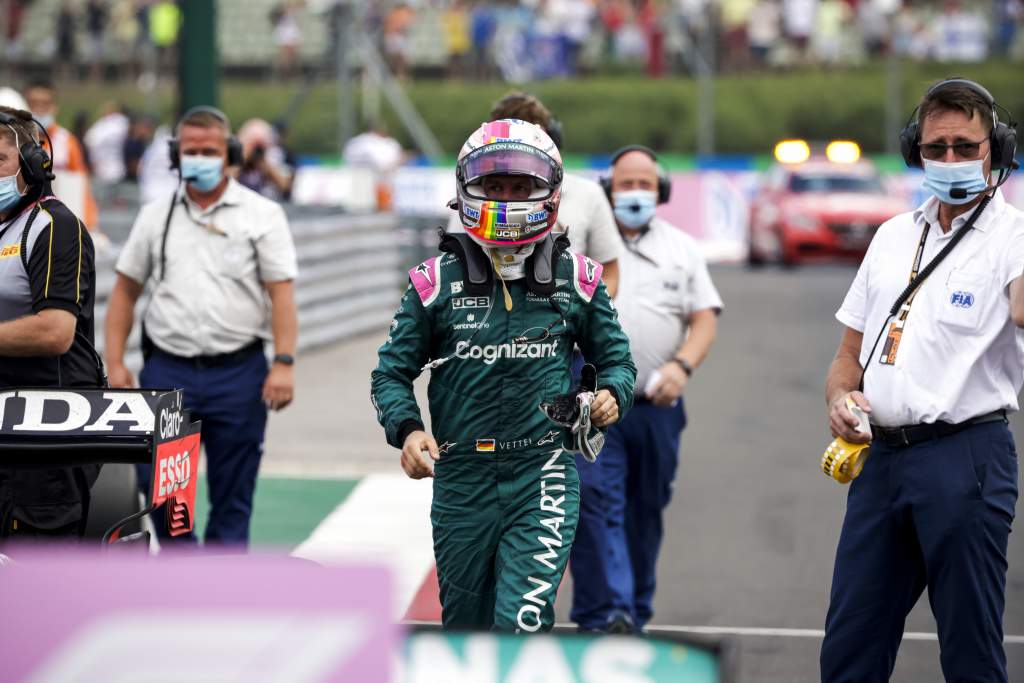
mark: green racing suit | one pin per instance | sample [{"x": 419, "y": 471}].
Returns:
[{"x": 506, "y": 493}]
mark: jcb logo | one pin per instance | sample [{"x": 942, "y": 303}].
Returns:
[
  {"x": 472, "y": 302},
  {"x": 12, "y": 250}
]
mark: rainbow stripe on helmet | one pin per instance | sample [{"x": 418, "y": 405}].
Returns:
[
  {"x": 500, "y": 224},
  {"x": 491, "y": 214}
]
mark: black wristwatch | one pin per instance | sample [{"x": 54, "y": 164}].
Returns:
[
  {"x": 284, "y": 359},
  {"x": 685, "y": 365}
]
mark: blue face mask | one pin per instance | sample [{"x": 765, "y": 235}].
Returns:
[
  {"x": 9, "y": 194},
  {"x": 202, "y": 173},
  {"x": 45, "y": 119},
  {"x": 940, "y": 177},
  {"x": 634, "y": 208}
]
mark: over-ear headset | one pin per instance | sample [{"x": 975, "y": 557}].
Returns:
[
  {"x": 664, "y": 181},
  {"x": 35, "y": 163},
  {"x": 554, "y": 131},
  {"x": 1002, "y": 140},
  {"x": 234, "y": 146}
]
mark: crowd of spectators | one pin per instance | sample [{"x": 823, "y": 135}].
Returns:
[
  {"x": 98, "y": 38},
  {"x": 561, "y": 38},
  {"x": 126, "y": 153},
  {"x": 488, "y": 38}
]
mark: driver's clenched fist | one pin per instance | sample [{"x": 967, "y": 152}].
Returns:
[
  {"x": 418, "y": 455},
  {"x": 605, "y": 409}
]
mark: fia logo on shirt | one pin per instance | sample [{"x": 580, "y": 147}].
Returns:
[{"x": 961, "y": 299}]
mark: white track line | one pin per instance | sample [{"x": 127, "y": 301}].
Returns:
[
  {"x": 792, "y": 632},
  {"x": 748, "y": 631},
  {"x": 386, "y": 518}
]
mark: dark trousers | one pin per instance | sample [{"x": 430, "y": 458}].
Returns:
[
  {"x": 623, "y": 495},
  {"x": 936, "y": 514},
  {"x": 228, "y": 399}
]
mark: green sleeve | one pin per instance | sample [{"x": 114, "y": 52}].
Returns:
[
  {"x": 400, "y": 361},
  {"x": 606, "y": 346}
]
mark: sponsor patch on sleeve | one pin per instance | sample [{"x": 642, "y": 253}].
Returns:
[
  {"x": 587, "y": 275},
  {"x": 426, "y": 279}
]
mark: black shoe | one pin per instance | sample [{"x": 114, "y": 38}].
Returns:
[{"x": 620, "y": 623}]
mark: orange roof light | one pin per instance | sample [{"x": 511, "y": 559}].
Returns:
[
  {"x": 792, "y": 151},
  {"x": 843, "y": 152}
]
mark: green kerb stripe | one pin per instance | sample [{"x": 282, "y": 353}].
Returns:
[{"x": 285, "y": 511}]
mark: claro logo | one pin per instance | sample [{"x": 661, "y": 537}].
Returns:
[
  {"x": 492, "y": 352},
  {"x": 170, "y": 423}
]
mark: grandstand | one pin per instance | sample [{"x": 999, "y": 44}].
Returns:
[
  {"x": 522, "y": 40},
  {"x": 244, "y": 28}
]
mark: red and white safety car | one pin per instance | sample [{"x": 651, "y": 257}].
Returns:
[{"x": 815, "y": 206}]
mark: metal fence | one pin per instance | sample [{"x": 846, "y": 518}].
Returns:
[{"x": 351, "y": 271}]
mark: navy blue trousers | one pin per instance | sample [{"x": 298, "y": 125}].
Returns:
[
  {"x": 228, "y": 399},
  {"x": 936, "y": 514},
  {"x": 623, "y": 495}
]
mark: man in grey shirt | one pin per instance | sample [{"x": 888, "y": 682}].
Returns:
[
  {"x": 669, "y": 308},
  {"x": 221, "y": 265}
]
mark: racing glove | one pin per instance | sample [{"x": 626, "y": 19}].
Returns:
[{"x": 572, "y": 411}]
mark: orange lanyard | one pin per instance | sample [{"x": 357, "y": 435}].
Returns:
[{"x": 892, "y": 340}]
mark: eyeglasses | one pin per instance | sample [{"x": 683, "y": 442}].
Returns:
[{"x": 963, "y": 150}]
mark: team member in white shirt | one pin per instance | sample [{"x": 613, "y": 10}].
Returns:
[
  {"x": 935, "y": 501},
  {"x": 221, "y": 263},
  {"x": 668, "y": 306}
]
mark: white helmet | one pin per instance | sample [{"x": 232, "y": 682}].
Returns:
[
  {"x": 508, "y": 147},
  {"x": 9, "y": 97}
]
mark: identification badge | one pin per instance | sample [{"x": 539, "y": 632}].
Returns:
[{"x": 892, "y": 344}]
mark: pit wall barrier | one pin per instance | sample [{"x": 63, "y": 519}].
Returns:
[{"x": 350, "y": 278}]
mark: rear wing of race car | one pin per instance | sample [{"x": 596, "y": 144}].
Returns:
[{"x": 72, "y": 427}]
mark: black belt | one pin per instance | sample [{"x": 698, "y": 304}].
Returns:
[
  {"x": 907, "y": 435},
  {"x": 216, "y": 359}
]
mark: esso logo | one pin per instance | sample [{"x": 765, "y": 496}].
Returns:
[
  {"x": 962, "y": 299},
  {"x": 175, "y": 473}
]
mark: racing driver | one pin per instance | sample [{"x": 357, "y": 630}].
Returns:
[{"x": 494, "y": 317}]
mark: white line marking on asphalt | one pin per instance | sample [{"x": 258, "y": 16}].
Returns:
[
  {"x": 791, "y": 632},
  {"x": 748, "y": 631},
  {"x": 386, "y": 518}
]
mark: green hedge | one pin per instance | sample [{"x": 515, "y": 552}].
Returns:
[{"x": 752, "y": 111}]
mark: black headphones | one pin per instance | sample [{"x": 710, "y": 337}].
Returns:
[
  {"x": 234, "y": 146},
  {"x": 1002, "y": 140},
  {"x": 35, "y": 163},
  {"x": 554, "y": 131},
  {"x": 664, "y": 181}
]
